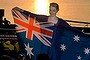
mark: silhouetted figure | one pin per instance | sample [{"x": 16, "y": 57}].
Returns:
[
  {"x": 1, "y": 15},
  {"x": 6, "y": 22},
  {"x": 43, "y": 57},
  {"x": 5, "y": 57}
]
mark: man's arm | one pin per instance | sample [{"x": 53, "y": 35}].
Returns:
[
  {"x": 24, "y": 11},
  {"x": 39, "y": 18}
]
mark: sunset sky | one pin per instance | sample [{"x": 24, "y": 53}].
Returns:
[{"x": 76, "y": 10}]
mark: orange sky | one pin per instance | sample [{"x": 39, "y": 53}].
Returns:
[{"x": 76, "y": 10}]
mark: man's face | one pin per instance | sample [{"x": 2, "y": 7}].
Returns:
[{"x": 52, "y": 11}]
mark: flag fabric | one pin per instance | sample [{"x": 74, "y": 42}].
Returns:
[
  {"x": 59, "y": 41},
  {"x": 35, "y": 37},
  {"x": 71, "y": 44}
]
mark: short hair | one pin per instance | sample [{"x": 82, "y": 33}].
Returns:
[
  {"x": 5, "y": 57},
  {"x": 54, "y": 5}
]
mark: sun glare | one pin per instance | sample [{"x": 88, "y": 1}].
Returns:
[{"x": 41, "y": 6}]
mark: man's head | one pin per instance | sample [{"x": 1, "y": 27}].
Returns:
[{"x": 53, "y": 8}]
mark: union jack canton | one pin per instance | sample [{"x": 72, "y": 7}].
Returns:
[{"x": 34, "y": 37}]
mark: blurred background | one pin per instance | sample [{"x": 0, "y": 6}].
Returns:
[{"x": 75, "y": 10}]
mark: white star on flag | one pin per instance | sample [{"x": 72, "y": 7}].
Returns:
[
  {"x": 76, "y": 38},
  {"x": 79, "y": 57},
  {"x": 87, "y": 51},
  {"x": 63, "y": 47},
  {"x": 29, "y": 50}
]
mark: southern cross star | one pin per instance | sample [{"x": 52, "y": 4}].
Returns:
[
  {"x": 63, "y": 47},
  {"x": 76, "y": 38},
  {"x": 87, "y": 51},
  {"x": 79, "y": 57},
  {"x": 29, "y": 50}
]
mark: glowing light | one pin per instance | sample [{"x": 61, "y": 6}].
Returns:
[{"x": 42, "y": 6}]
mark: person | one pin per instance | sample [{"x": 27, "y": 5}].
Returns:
[
  {"x": 53, "y": 10},
  {"x": 5, "y": 57},
  {"x": 6, "y": 22}
]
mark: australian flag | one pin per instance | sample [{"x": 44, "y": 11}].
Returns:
[
  {"x": 34, "y": 34},
  {"x": 70, "y": 44},
  {"x": 40, "y": 39}
]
